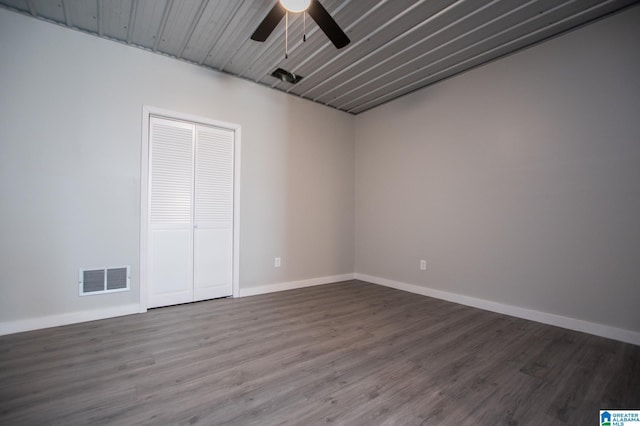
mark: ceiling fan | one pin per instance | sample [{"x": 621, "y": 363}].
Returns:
[{"x": 313, "y": 8}]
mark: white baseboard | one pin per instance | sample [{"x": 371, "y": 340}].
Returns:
[
  {"x": 37, "y": 323},
  {"x": 620, "y": 334},
  {"x": 615, "y": 333},
  {"x": 263, "y": 289}
]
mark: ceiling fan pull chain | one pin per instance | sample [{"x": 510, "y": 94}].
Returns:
[
  {"x": 286, "y": 35},
  {"x": 304, "y": 25}
]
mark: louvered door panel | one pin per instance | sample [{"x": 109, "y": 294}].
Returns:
[
  {"x": 213, "y": 233},
  {"x": 171, "y": 212},
  {"x": 214, "y": 175},
  {"x": 171, "y": 172}
]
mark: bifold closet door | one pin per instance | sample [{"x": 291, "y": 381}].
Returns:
[
  {"x": 190, "y": 212},
  {"x": 171, "y": 179},
  {"x": 213, "y": 225}
]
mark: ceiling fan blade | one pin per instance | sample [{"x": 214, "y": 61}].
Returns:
[
  {"x": 269, "y": 23},
  {"x": 327, "y": 24}
]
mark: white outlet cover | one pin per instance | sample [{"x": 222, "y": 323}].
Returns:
[
  {"x": 277, "y": 262},
  {"x": 423, "y": 265}
]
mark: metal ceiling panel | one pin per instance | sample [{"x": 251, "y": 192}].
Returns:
[
  {"x": 150, "y": 15},
  {"x": 251, "y": 51},
  {"x": 379, "y": 15},
  {"x": 181, "y": 22},
  {"x": 434, "y": 19},
  {"x": 420, "y": 80},
  {"x": 114, "y": 18},
  {"x": 370, "y": 42},
  {"x": 51, "y": 10},
  {"x": 424, "y": 66},
  {"x": 236, "y": 33},
  {"x": 274, "y": 54},
  {"x": 83, "y": 14},
  {"x": 409, "y": 48},
  {"x": 347, "y": 14},
  {"x": 210, "y": 27},
  {"x": 435, "y": 46},
  {"x": 20, "y": 5},
  {"x": 397, "y": 46},
  {"x": 271, "y": 53},
  {"x": 317, "y": 44}
]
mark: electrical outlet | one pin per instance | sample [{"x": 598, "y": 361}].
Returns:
[
  {"x": 423, "y": 265},
  {"x": 277, "y": 262}
]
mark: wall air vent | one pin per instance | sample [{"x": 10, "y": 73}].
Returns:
[{"x": 104, "y": 280}]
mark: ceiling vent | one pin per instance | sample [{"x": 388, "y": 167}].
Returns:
[
  {"x": 105, "y": 280},
  {"x": 287, "y": 76}
]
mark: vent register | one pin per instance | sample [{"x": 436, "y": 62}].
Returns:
[{"x": 105, "y": 280}]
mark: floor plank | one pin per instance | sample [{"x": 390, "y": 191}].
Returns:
[{"x": 344, "y": 353}]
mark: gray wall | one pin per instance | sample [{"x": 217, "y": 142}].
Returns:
[
  {"x": 518, "y": 182},
  {"x": 70, "y": 146}
]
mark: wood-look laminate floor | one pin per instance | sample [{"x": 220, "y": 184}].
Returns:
[{"x": 346, "y": 353}]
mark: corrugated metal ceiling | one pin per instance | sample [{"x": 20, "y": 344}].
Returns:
[{"x": 397, "y": 46}]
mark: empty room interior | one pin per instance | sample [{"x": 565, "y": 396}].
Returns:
[{"x": 369, "y": 212}]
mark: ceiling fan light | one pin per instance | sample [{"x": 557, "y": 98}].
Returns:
[{"x": 295, "y": 6}]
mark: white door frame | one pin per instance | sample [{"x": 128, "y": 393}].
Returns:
[{"x": 147, "y": 112}]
